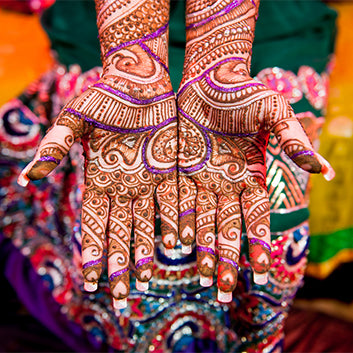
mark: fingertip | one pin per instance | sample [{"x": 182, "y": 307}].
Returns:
[
  {"x": 224, "y": 297},
  {"x": 328, "y": 173},
  {"x": 142, "y": 286},
  {"x": 119, "y": 303},
  {"x": 22, "y": 180},
  {"x": 90, "y": 286},
  {"x": 260, "y": 278},
  {"x": 206, "y": 281},
  {"x": 326, "y": 170}
]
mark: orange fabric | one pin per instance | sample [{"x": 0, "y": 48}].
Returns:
[
  {"x": 331, "y": 204},
  {"x": 24, "y": 52}
]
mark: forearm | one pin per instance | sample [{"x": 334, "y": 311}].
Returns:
[
  {"x": 134, "y": 46},
  {"x": 135, "y": 89},
  {"x": 218, "y": 34}
]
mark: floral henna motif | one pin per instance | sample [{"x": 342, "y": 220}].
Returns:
[
  {"x": 127, "y": 124},
  {"x": 225, "y": 119}
]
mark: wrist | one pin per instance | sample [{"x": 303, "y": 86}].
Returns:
[{"x": 121, "y": 86}]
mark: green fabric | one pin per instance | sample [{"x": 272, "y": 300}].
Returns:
[
  {"x": 293, "y": 33},
  {"x": 282, "y": 222},
  {"x": 71, "y": 27},
  {"x": 176, "y": 41},
  {"x": 290, "y": 34},
  {"x": 306, "y": 35},
  {"x": 325, "y": 246},
  {"x": 285, "y": 221}
]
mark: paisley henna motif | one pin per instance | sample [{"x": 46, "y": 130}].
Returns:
[
  {"x": 225, "y": 119},
  {"x": 127, "y": 124}
]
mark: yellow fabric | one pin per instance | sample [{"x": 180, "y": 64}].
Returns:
[
  {"x": 331, "y": 203},
  {"x": 24, "y": 52}
]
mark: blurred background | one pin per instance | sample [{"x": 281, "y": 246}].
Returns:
[{"x": 321, "y": 319}]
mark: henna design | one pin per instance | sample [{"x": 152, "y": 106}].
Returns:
[
  {"x": 206, "y": 203},
  {"x": 225, "y": 119},
  {"x": 187, "y": 212},
  {"x": 127, "y": 124}
]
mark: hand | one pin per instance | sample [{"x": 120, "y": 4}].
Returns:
[
  {"x": 225, "y": 118},
  {"x": 128, "y": 127}
]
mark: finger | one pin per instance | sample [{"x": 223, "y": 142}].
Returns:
[
  {"x": 167, "y": 197},
  {"x": 187, "y": 213},
  {"x": 119, "y": 236},
  {"x": 326, "y": 169},
  {"x": 144, "y": 214},
  {"x": 206, "y": 204},
  {"x": 95, "y": 211},
  {"x": 256, "y": 211},
  {"x": 53, "y": 147},
  {"x": 229, "y": 235},
  {"x": 297, "y": 145},
  {"x": 22, "y": 179}
]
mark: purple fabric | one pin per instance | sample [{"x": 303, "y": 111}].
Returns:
[
  {"x": 38, "y": 299},
  {"x": 204, "y": 345}
]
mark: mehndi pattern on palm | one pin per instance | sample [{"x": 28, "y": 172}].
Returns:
[
  {"x": 127, "y": 124},
  {"x": 225, "y": 120}
]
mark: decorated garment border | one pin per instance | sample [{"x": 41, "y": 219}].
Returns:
[{"x": 293, "y": 87}]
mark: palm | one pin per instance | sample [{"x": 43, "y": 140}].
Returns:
[{"x": 125, "y": 168}]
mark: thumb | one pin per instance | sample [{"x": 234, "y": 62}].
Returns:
[
  {"x": 52, "y": 149},
  {"x": 327, "y": 171}
]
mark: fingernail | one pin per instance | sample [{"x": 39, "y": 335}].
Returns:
[
  {"x": 329, "y": 175},
  {"x": 119, "y": 303},
  {"x": 224, "y": 297},
  {"x": 206, "y": 281},
  {"x": 90, "y": 286},
  {"x": 260, "y": 278},
  {"x": 22, "y": 181},
  {"x": 186, "y": 249},
  {"x": 141, "y": 286}
]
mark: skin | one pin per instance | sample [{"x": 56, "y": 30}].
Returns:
[
  {"x": 225, "y": 119},
  {"x": 128, "y": 127}
]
